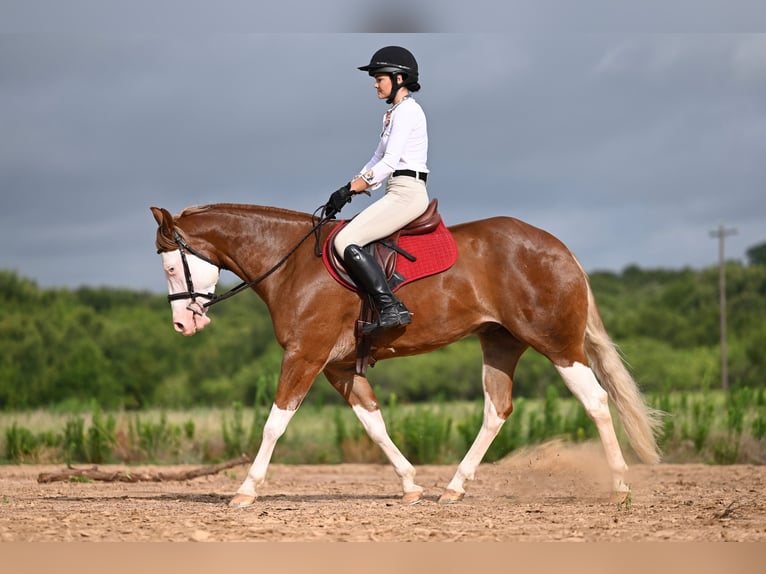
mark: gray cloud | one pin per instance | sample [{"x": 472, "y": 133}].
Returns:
[{"x": 629, "y": 147}]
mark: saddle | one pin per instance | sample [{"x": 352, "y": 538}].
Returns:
[
  {"x": 385, "y": 250},
  {"x": 423, "y": 247}
]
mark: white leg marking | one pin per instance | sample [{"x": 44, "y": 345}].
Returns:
[
  {"x": 373, "y": 423},
  {"x": 585, "y": 387},
  {"x": 490, "y": 426},
  {"x": 273, "y": 429}
]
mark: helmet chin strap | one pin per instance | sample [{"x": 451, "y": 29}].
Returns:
[{"x": 395, "y": 87}]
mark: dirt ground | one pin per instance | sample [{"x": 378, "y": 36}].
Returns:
[{"x": 550, "y": 493}]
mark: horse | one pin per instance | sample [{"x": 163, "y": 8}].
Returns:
[{"x": 514, "y": 286}]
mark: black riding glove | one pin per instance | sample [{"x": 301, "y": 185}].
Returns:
[{"x": 337, "y": 200}]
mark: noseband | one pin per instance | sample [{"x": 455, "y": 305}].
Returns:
[{"x": 195, "y": 307}]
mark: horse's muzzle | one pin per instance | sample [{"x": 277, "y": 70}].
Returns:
[{"x": 189, "y": 323}]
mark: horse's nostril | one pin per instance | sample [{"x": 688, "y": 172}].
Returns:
[{"x": 179, "y": 327}]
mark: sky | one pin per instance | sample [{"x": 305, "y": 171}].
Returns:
[{"x": 629, "y": 145}]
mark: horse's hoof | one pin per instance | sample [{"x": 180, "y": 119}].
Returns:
[
  {"x": 241, "y": 501},
  {"x": 621, "y": 487},
  {"x": 413, "y": 497},
  {"x": 451, "y": 497},
  {"x": 621, "y": 492},
  {"x": 621, "y": 498}
]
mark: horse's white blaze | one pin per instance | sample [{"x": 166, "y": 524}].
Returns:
[
  {"x": 204, "y": 276},
  {"x": 490, "y": 426},
  {"x": 373, "y": 423},
  {"x": 274, "y": 428},
  {"x": 585, "y": 387}
]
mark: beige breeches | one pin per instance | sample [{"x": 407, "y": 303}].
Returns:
[{"x": 405, "y": 199}]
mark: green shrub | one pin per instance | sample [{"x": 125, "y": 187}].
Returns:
[
  {"x": 101, "y": 437},
  {"x": 234, "y": 433},
  {"x": 74, "y": 440},
  {"x": 20, "y": 443},
  {"x": 698, "y": 429},
  {"x": 726, "y": 449},
  {"x": 425, "y": 436},
  {"x": 156, "y": 439}
]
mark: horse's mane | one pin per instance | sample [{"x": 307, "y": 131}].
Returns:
[
  {"x": 237, "y": 207},
  {"x": 165, "y": 243}
]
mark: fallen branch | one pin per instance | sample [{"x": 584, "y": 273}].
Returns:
[{"x": 94, "y": 473}]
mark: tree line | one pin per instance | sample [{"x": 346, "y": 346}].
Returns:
[{"x": 64, "y": 348}]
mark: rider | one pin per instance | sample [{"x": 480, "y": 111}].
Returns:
[{"x": 401, "y": 157}]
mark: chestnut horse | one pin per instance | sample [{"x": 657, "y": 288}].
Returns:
[{"x": 514, "y": 286}]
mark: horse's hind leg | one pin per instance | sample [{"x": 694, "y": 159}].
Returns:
[
  {"x": 501, "y": 353},
  {"x": 360, "y": 396},
  {"x": 583, "y": 384}
]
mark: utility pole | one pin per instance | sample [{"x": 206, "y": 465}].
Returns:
[{"x": 721, "y": 233}]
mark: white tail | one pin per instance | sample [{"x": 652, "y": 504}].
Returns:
[{"x": 641, "y": 422}]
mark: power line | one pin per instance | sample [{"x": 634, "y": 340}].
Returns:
[{"x": 721, "y": 233}]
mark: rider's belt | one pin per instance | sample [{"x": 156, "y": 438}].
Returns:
[{"x": 421, "y": 175}]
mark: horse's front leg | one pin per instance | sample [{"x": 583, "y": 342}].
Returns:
[
  {"x": 273, "y": 429},
  {"x": 360, "y": 396},
  {"x": 295, "y": 379}
]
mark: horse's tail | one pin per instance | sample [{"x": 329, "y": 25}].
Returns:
[{"x": 641, "y": 422}]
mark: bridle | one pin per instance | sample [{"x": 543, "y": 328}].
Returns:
[
  {"x": 198, "y": 309},
  {"x": 194, "y": 306}
]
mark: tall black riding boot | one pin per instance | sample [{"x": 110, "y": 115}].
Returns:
[{"x": 367, "y": 274}]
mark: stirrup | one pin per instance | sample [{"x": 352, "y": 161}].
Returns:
[{"x": 397, "y": 317}]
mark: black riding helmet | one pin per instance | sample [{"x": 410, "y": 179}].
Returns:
[{"x": 393, "y": 60}]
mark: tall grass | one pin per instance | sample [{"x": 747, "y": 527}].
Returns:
[
  {"x": 709, "y": 427},
  {"x": 714, "y": 427}
]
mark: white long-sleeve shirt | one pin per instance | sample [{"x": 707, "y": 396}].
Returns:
[{"x": 403, "y": 143}]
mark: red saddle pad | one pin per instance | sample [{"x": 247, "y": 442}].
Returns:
[{"x": 434, "y": 252}]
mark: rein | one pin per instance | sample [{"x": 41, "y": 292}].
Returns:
[{"x": 184, "y": 247}]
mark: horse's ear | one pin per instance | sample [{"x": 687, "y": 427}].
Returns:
[
  {"x": 162, "y": 216},
  {"x": 165, "y": 229}
]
